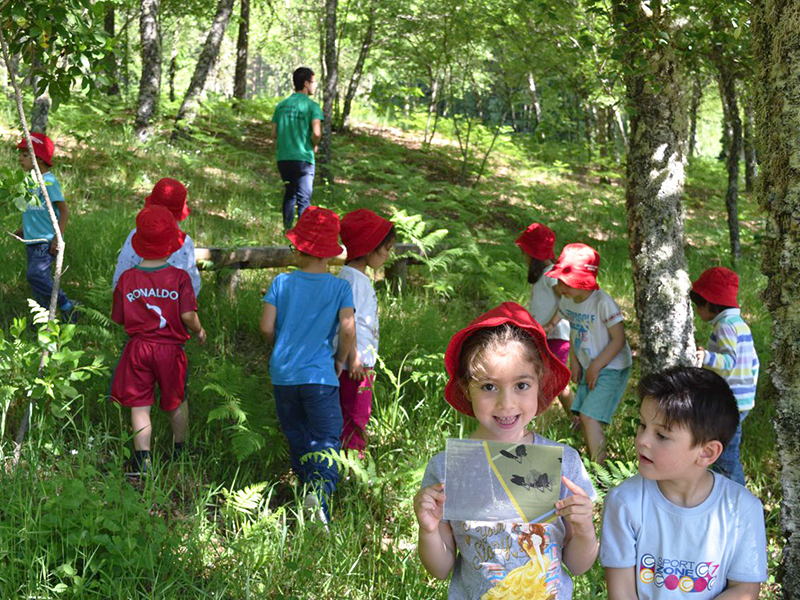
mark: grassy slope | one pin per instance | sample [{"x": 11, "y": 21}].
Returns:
[{"x": 199, "y": 542}]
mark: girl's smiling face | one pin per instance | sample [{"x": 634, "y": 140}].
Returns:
[{"x": 504, "y": 394}]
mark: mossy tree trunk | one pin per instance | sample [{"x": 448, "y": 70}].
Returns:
[
  {"x": 331, "y": 71},
  {"x": 655, "y": 173},
  {"x": 776, "y": 25}
]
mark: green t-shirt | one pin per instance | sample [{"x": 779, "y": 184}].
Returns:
[{"x": 293, "y": 118}]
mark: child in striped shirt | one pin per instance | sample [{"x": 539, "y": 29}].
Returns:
[{"x": 729, "y": 353}]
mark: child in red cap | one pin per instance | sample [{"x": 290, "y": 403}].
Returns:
[
  {"x": 171, "y": 194},
  {"x": 599, "y": 355},
  {"x": 368, "y": 240},
  {"x": 37, "y": 230},
  {"x": 730, "y": 352},
  {"x": 502, "y": 373},
  {"x": 156, "y": 304},
  {"x": 302, "y": 310},
  {"x": 537, "y": 243}
]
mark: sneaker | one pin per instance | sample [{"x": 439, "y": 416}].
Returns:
[
  {"x": 177, "y": 451},
  {"x": 70, "y": 313},
  {"x": 314, "y": 511},
  {"x": 139, "y": 464}
]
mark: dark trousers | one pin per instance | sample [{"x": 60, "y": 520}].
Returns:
[
  {"x": 39, "y": 275},
  {"x": 298, "y": 179},
  {"x": 311, "y": 419}
]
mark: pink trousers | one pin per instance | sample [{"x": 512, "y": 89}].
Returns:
[{"x": 356, "y": 400}]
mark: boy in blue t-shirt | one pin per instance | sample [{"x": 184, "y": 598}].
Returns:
[
  {"x": 677, "y": 528},
  {"x": 37, "y": 230},
  {"x": 301, "y": 312}
]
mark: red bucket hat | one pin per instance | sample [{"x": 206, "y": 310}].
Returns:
[
  {"x": 555, "y": 376},
  {"x": 316, "y": 233},
  {"x": 577, "y": 267},
  {"x": 537, "y": 241},
  {"x": 718, "y": 285},
  {"x": 171, "y": 194},
  {"x": 157, "y": 234},
  {"x": 43, "y": 147},
  {"x": 362, "y": 231}
]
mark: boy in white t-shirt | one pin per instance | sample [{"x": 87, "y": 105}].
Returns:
[
  {"x": 599, "y": 354},
  {"x": 676, "y": 529},
  {"x": 368, "y": 240}
]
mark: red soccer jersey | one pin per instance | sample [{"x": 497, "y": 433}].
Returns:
[{"x": 149, "y": 303}]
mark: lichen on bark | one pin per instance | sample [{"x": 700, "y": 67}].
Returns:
[{"x": 776, "y": 26}]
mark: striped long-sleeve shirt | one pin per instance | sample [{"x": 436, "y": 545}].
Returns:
[{"x": 731, "y": 354}]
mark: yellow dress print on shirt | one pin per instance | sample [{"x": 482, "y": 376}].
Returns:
[{"x": 528, "y": 581}]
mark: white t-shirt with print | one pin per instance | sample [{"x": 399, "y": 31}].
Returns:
[
  {"x": 679, "y": 552},
  {"x": 544, "y": 304},
  {"x": 589, "y": 322}
]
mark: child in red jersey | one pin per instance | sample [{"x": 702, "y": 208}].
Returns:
[{"x": 156, "y": 304}]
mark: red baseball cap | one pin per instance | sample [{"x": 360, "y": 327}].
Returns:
[
  {"x": 362, "y": 231},
  {"x": 537, "y": 241},
  {"x": 157, "y": 234},
  {"x": 171, "y": 194},
  {"x": 577, "y": 267},
  {"x": 718, "y": 285},
  {"x": 555, "y": 376},
  {"x": 43, "y": 147},
  {"x": 316, "y": 233}
]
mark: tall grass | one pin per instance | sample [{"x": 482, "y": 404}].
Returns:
[{"x": 226, "y": 521}]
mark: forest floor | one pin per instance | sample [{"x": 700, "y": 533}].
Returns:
[{"x": 226, "y": 521}]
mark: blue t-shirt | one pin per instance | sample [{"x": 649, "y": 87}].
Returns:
[
  {"x": 308, "y": 306},
  {"x": 35, "y": 220}
]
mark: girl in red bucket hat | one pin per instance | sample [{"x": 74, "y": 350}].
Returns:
[
  {"x": 537, "y": 243},
  {"x": 302, "y": 310},
  {"x": 599, "y": 355},
  {"x": 368, "y": 240},
  {"x": 502, "y": 373},
  {"x": 170, "y": 194},
  {"x": 730, "y": 353}
]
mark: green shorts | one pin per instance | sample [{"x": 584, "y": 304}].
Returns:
[{"x": 601, "y": 403}]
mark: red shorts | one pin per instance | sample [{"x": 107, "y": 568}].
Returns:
[{"x": 141, "y": 366}]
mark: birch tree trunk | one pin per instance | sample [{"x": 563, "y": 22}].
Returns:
[
  {"x": 112, "y": 71},
  {"x": 733, "y": 137},
  {"x": 355, "y": 78},
  {"x": 173, "y": 58},
  {"x": 150, "y": 81},
  {"x": 697, "y": 94},
  {"x": 776, "y": 32},
  {"x": 208, "y": 55},
  {"x": 331, "y": 82},
  {"x": 41, "y": 109},
  {"x": 655, "y": 172},
  {"x": 240, "y": 76}
]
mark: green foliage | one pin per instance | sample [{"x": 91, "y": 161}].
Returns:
[
  {"x": 610, "y": 474},
  {"x": 16, "y": 186}
]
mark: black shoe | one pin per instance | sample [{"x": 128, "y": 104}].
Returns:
[
  {"x": 177, "y": 450},
  {"x": 71, "y": 314},
  {"x": 139, "y": 464}
]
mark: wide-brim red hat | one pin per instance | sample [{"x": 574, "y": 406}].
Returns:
[
  {"x": 43, "y": 147},
  {"x": 718, "y": 285},
  {"x": 538, "y": 241},
  {"x": 171, "y": 194},
  {"x": 157, "y": 233},
  {"x": 555, "y": 376},
  {"x": 316, "y": 233},
  {"x": 362, "y": 231},
  {"x": 577, "y": 267}
]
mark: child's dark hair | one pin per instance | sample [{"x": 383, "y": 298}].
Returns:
[
  {"x": 387, "y": 240},
  {"x": 493, "y": 339},
  {"x": 535, "y": 269},
  {"x": 700, "y": 301},
  {"x": 697, "y": 399},
  {"x": 300, "y": 76}
]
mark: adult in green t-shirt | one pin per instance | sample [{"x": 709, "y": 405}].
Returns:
[{"x": 297, "y": 126}]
